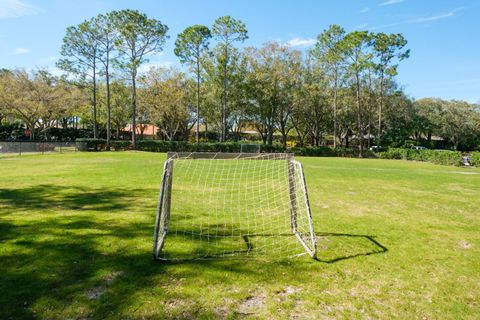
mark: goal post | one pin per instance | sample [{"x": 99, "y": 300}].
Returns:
[{"x": 232, "y": 205}]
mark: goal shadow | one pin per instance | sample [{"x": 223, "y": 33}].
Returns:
[
  {"x": 187, "y": 245},
  {"x": 190, "y": 245},
  {"x": 335, "y": 247}
]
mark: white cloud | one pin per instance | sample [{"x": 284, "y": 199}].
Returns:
[
  {"x": 49, "y": 59},
  {"x": 17, "y": 8},
  {"x": 298, "y": 42},
  {"x": 449, "y": 14},
  {"x": 366, "y": 9},
  {"x": 57, "y": 72},
  {"x": 390, "y": 2},
  {"x": 158, "y": 64},
  {"x": 361, "y": 26},
  {"x": 445, "y": 15},
  {"x": 21, "y": 50}
]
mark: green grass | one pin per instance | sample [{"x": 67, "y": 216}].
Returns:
[{"x": 397, "y": 240}]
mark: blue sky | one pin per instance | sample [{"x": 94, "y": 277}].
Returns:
[{"x": 443, "y": 35}]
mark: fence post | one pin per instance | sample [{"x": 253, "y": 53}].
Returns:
[{"x": 20, "y": 148}]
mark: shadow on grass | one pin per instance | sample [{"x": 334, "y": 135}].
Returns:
[
  {"x": 69, "y": 197},
  {"x": 191, "y": 245},
  {"x": 90, "y": 264},
  {"x": 344, "y": 246}
]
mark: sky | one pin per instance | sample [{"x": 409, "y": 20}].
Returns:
[{"x": 443, "y": 35}]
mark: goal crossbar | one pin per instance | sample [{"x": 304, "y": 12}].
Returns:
[{"x": 230, "y": 208}]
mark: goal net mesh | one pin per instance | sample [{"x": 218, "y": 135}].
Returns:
[{"x": 233, "y": 206}]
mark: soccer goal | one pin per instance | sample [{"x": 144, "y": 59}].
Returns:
[{"x": 233, "y": 205}]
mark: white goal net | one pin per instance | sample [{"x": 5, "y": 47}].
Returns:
[{"x": 233, "y": 205}]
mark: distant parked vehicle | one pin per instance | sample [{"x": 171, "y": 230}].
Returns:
[
  {"x": 419, "y": 148},
  {"x": 377, "y": 148}
]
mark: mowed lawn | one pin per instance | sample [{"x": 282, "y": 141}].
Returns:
[{"x": 396, "y": 240}]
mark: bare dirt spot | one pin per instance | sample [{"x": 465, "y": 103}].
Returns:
[
  {"x": 252, "y": 304},
  {"x": 112, "y": 276},
  {"x": 221, "y": 312},
  {"x": 96, "y": 292},
  {"x": 462, "y": 244},
  {"x": 288, "y": 291}
]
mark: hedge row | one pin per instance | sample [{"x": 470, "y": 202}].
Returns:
[
  {"x": 444, "y": 157},
  {"x": 166, "y": 146},
  {"x": 437, "y": 157},
  {"x": 89, "y": 144}
]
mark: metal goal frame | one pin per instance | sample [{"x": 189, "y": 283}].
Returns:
[{"x": 164, "y": 200}]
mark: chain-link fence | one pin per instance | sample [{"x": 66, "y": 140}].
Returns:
[{"x": 27, "y": 147}]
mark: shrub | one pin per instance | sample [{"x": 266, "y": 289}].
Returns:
[
  {"x": 475, "y": 159},
  {"x": 437, "y": 157},
  {"x": 121, "y": 145},
  {"x": 90, "y": 144}
]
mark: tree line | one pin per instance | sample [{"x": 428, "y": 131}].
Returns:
[{"x": 341, "y": 92}]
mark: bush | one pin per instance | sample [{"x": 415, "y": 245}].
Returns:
[
  {"x": 475, "y": 159},
  {"x": 66, "y": 134},
  {"x": 437, "y": 157},
  {"x": 90, "y": 144},
  {"x": 121, "y": 145},
  {"x": 11, "y": 131}
]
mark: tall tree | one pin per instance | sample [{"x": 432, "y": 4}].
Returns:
[
  {"x": 329, "y": 50},
  {"x": 107, "y": 35},
  {"x": 80, "y": 51},
  {"x": 190, "y": 46},
  {"x": 387, "y": 48},
  {"x": 274, "y": 71},
  {"x": 356, "y": 45},
  {"x": 120, "y": 106},
  {"x": 311, "y": 114},
  {"x": 227, "y": 30},
  {"x": 165, "y": 95},
  {"x": 138, "y": 37}
]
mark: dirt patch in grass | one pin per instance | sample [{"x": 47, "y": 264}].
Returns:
[
  {"x": 288, "y": 291},
  {"x": 96, "y": 292},
  {"x": 252, "y": 304},
  {"x": 464, "y": 245}
]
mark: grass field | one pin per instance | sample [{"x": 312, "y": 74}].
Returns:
[{"x": 397, "y": 240}]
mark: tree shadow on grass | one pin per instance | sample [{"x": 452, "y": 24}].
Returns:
[
  {"x": 59, "y": 270},
  {"x": 69, "y": 197},
  {"x": 84, "y": 266}
]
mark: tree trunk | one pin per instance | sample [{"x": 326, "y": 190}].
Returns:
[
  {"x": 197, "y": 132},
  {"x": 369, "y": 109},
  {"x": 224, "y": 113},
  {"x": 335, "y": 109},
  {"x": 107, "y": 75},
  {"x": 270, "y": 134},
  {"x": 95, "y": 129},
  {"x": 134, "y": 110},
  {"x": 380, "y": 107},
  {"x": 359, "y": 117}
]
